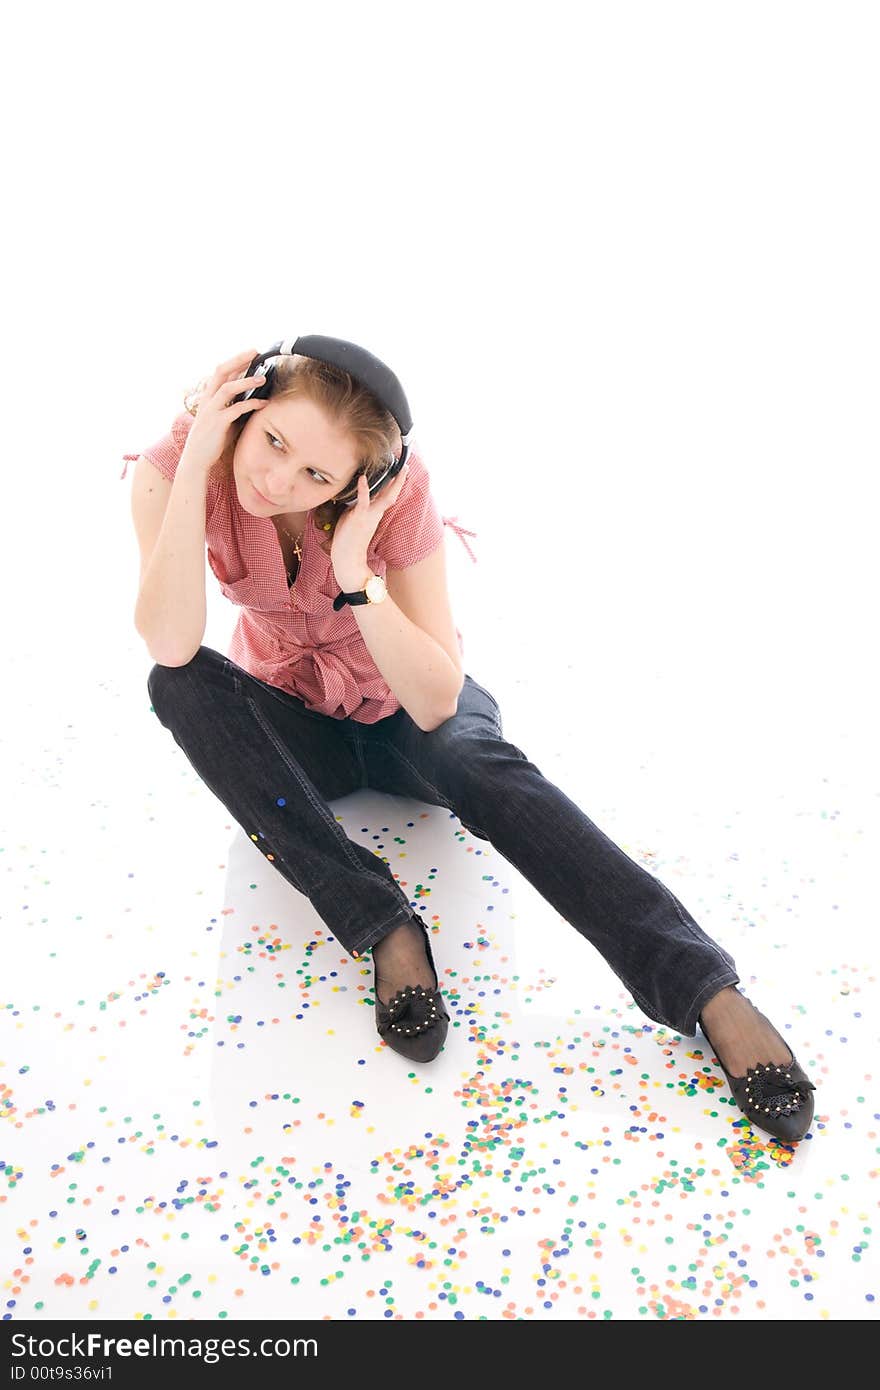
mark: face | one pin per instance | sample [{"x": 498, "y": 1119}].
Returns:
[{"x": 290, "y": 453}]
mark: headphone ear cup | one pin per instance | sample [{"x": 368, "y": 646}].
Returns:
[
  {"x": 260, "y": 393},
  {"x": 349, "y": 495},
  {"x": 263, "y": 392}
]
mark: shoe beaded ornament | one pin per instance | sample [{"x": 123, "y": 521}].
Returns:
[
  {"x": 416, "y": 1006},
  {"x": 775, "y": 1097},
  {"x": 414, "y": 1022},
  {"x": 758, "y": 1090}
]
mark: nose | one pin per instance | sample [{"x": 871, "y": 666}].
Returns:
[{"x": 271, "y": 489}]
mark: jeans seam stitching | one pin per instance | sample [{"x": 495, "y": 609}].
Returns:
[
  {"x": 392, "y": 748},
  {"x": 362, "y": 761},
  {"x": 297, "y": 772},
  {"x": 382, "y": 931},
  {"x": 695, "y": 932},
  {"x": 650, "y": 1009},
  {"x": 401, "y": 757},
  {"x": 443, "y": 802}
]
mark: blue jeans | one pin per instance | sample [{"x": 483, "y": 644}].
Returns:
[{"x": 275, "y": 765}]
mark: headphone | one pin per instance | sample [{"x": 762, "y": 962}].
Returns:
[{"x": 366, "y": 369}]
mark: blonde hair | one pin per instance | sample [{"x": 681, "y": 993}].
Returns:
[{"x": 350, "y": 407}]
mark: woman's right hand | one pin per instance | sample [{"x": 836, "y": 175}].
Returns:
[{"x": 209, "y": 433}]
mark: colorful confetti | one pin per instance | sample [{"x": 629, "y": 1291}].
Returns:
[{"x": 200, "y": 1121}]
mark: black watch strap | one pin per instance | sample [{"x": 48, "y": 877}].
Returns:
[{"x": 359, "y": 596}]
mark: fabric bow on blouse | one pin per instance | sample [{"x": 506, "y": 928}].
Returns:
[{"x": 290, "y": 637}]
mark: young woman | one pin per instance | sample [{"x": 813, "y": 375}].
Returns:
[{"x": 345, "y": 671}]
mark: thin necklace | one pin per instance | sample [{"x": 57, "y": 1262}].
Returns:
[{"x": 297, "y": 550}]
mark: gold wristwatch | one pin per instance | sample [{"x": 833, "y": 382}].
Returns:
[{"x": 373, "y": 591}]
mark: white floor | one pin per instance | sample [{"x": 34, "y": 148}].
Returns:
[{"x": 200, "y": 1120}]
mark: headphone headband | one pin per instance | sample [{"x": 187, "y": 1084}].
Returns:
[{"x": 366, "y": 369}]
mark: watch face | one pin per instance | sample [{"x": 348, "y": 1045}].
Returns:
[{"x": 375, "y": 589}]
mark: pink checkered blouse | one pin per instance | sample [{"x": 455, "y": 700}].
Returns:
[{"x": 292, "y": 638}]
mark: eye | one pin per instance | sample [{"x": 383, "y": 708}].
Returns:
[{"x": 315, "y": 474}]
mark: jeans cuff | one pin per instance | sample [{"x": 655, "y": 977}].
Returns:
[
  {"x": 377, "y": 934},
  {"x": 708, "y": 991}
]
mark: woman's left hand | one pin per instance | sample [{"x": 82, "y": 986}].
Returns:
[{"x": 356, "y": 527}]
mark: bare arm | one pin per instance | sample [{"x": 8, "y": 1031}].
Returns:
[
  {"x": 171, "y": 609},
  {"x": 412, "y": 639},
  {"x": 169, "y": 518}
]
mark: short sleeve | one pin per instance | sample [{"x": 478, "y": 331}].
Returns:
[
  {"x": 412, "y": 528},
  {"x": 166, "y": 452}
]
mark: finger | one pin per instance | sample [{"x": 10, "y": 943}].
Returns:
[
  {"x": 231, "y": 388},
  {"x": 234, "y": 364},
  {"x": 400, "y": 479},
  {"x": 239, "y": 408},
  {"x": 388, "y": 495}
]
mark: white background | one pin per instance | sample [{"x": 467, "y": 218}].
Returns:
[{"x": 623, "y": 259}]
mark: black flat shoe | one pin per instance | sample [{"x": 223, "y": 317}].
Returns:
[
  {"x": 774, "y": 1098},
  {"x": 414, "y": 1022}
]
